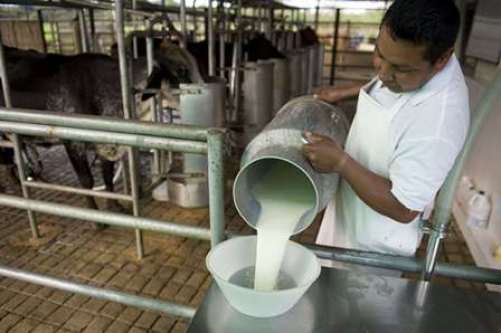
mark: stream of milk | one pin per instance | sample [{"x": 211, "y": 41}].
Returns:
[{"x": 284, "y": 194}]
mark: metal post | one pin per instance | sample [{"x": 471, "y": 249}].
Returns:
[
  {"x": 42, "y": 30},
  {"x": 184, "y": 28},
  {"x": 16, "y": 142},
  {"x": 122, "y": 60},
  {"x": 269, "y": 22},
  {"x": 255, "y": 18},
  {"x": 206, "y": 25},
  {"x": 284, "y": 32},
  {"x": 334, "y": 46},
  {"x": 92, "y": 22},
  {"x": 195, "y": 23},
  {"x": 54, "y": 36},
  {"x": 236, "y": 64},
  {"x": 157, "y": 170},
  {"x": 127, "y": 107},
  {"x": 261, "y": 19},
  {"x": 222, "y": 40},
  {"x": 239, "y": 43},
  {"x": 234, "y": 77},
  {"x": 135, "y": 54},
  {"x": 443, "y": 207},
  {"x": 459, "y": 47},
  {"x": 215, "y": 142},
  {"x": 59, "y": 39},
  {"x": 317, "y": 15},
  {"x": 83, "y": 31},
  {"x": 210, "y": 31}
]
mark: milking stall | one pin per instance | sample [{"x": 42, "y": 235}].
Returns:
[{"x": 250, "y": 166}]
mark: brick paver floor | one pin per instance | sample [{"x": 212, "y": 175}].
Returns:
[{"x": 173, "y": 268}]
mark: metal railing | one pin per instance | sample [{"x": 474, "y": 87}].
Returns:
[
  {"x": 125, "y": 132},
  {"x": 189, "y": 139}
]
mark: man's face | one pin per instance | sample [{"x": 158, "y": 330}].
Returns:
[{"x": 400, "y": 63}]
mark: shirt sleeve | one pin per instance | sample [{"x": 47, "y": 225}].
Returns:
[{"x": 419, "y": 168}]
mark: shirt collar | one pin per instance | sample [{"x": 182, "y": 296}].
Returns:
[
  {"x": 432, "y": 87},
  {"x": 437, "y": 83}
]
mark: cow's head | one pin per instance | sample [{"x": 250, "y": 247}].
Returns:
[
  {"x": 173, "y": 66},
  {"x": 261, "y": 48},
  {"x": 309, "y": 37}
]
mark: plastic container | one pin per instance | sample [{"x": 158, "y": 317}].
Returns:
[
  {"x": 233, "y": 255},
  {"x": 479, "y": 209},
  {"x": 465, "y": 191},
  {"x": 201, "y": 104}
]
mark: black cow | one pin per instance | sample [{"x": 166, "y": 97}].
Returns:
[
  {"x": 87, "y": 84},
  {"x": 257, "y": 48},
  {"x": 309, "y": 37},
  {"x": 261, "y": 48}
]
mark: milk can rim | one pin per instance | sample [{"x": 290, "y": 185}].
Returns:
[{"x": 317, "y": 201}]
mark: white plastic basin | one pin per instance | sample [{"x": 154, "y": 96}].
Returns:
[{"x": 233, "y": 255}]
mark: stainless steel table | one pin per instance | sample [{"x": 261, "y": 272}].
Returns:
[{"x": 342, "y": 301}]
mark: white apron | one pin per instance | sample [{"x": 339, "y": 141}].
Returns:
[{"x": 348, "y": 222}]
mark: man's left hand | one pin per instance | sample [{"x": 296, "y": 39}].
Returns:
[{"x": 324, "y": 154}]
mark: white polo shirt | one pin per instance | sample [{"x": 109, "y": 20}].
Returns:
[{"x": 427, "y": 134}]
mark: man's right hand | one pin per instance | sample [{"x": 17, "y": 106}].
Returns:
[{"x": 333, "y": 94}]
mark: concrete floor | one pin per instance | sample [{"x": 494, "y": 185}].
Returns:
[{"x": 173, "y": 269}]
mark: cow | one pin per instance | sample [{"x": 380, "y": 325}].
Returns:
[
  {"x": 309, "y": 37},
  {"x": 89, "y": 84},
  {"x": 256, "y": 48}
]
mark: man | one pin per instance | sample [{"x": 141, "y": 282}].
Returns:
[{"x": 410, "y": 125}]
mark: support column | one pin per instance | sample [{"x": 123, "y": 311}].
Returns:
[{"x": 334, "y": 46}]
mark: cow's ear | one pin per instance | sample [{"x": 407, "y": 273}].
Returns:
[{"x": 154, "y": 81}]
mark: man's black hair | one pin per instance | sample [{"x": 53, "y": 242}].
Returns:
[{"x": 434, "y": 23}]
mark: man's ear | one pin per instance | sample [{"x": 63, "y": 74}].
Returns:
[{"x": 442, "y": 60}]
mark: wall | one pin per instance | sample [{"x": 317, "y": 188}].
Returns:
[
  {"x": 22, "y": 34},
  {"x": 484, "y": 163}
]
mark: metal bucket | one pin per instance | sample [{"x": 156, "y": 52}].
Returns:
[
  {"x": 281, "y": 79},
  {"x": 258, "y": 94},
  {"x": 291, "y": 40},
  {"x": 295, "y": 73},
  {"x": 188, "y": 190},
  {"x": 319, "y": 73},
  {"x": 305, "y": 70},
  {"x": 312, "y": 67},
  {"x": 281, "y": 142},
  {"x": 203, "y": 105},
  {"x": 282, "y": 42}
]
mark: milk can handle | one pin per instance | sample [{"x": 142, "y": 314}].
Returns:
[{"x": 475, "y": 197}]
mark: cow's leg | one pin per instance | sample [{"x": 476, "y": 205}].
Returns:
[
  {"x": 6, "y": 159},
  {"x": 77, "y": 154},
  {"x": 78, "y": 158},
  {"x": 108, "y": 168}
]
